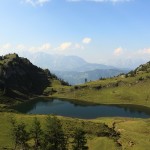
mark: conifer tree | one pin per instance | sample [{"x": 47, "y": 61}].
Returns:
[
  {"x": 20, "y": 135},
  {"x": 36, "y": 133},
  {"x": 54, "y": 137},
  {"x": 79, "y": 141}
]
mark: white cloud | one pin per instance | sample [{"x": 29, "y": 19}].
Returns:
[
  {"x": 33, "y": 49},
  {"x": 45, "y": 47},
  {"x": 20, "y": 47},
  {"x": 73, "y": 0},
  {"x": 6, "y": 46},
  {"x": 64, "y": 46},
  {"x": 78, "y": 46},
  {"x": 113, "y": 1},
  {"x": 144, "y": 51},
  {"x": 100, "y": 1},
  {"x": 37, "y": 2},
  {"x": 118, "y": 51},
  {"x": 86, "y": 40}
]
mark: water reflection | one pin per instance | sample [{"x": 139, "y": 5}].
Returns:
[{"x": 80, "y": 110}]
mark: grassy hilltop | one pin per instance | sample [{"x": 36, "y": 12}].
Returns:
[{"x": 131, "y": 88}]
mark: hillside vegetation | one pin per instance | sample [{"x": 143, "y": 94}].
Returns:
[
  {"x": 21, "y": 80},
  {"x": 18, "y": 74},
  {"x": 134, "y": 133},
  {"x": 130, "y": 88}
]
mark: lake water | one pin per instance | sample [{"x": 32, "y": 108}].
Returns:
[{"x": 78, "y": 110}]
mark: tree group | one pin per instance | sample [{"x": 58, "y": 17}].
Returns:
[{"x": 51, "y": 137}]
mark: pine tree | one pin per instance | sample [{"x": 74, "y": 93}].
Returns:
[
  {"x": 20, "y": 135},
  {"x": 79, "y": 141},
  {"x": 54, "y": 137},
  {"x": 36, "y": 133}
]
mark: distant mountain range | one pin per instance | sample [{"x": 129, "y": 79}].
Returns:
[
  {"x": 73, "y": 69},
  {"x": 79, "y": 77},
  {"x": 64, "y": 63}
]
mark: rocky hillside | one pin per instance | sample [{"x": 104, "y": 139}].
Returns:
[
  {"x": 144, "y": 68},
  {"x": 20, "y": 78}
]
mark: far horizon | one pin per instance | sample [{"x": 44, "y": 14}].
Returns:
[
  {"x": 129, "y": 64},
  {"x": 111, "y": 32}
]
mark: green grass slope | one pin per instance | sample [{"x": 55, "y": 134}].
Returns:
[
  {"x": 134, "y": 133},
  {"x": 132, "y": 88}
]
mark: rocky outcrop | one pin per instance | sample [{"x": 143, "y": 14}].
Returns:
[{"x": 19, "y": 75}]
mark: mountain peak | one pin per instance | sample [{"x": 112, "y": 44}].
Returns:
[
  {"x": 64, "y": 63},
  {"x": 19, "y": 74}
]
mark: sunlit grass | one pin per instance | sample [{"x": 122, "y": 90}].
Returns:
[
  {"x": 135, "y": 133},
  {"x": 116, "y": 90}
]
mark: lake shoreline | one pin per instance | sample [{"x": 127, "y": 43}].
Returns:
[{"x": 76, "y": 109}]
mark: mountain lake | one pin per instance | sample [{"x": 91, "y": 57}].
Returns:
[{"x": 81, "y": 110}]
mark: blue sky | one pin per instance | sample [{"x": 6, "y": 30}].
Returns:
[{"x": 101, "y": 31}]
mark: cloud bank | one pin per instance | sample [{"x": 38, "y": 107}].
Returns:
[
  {"x": 86, "y": 40},
  {"x": 37, "y": 2},
  {"x": 45, "y": 47},
  {"x": 99, "y": 1},
  {"x": 118, "y": 51}
]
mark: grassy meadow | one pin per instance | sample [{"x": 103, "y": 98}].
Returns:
[
  {"x": 134, "y": 133},
  {"x": 117, "y": 90}
]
